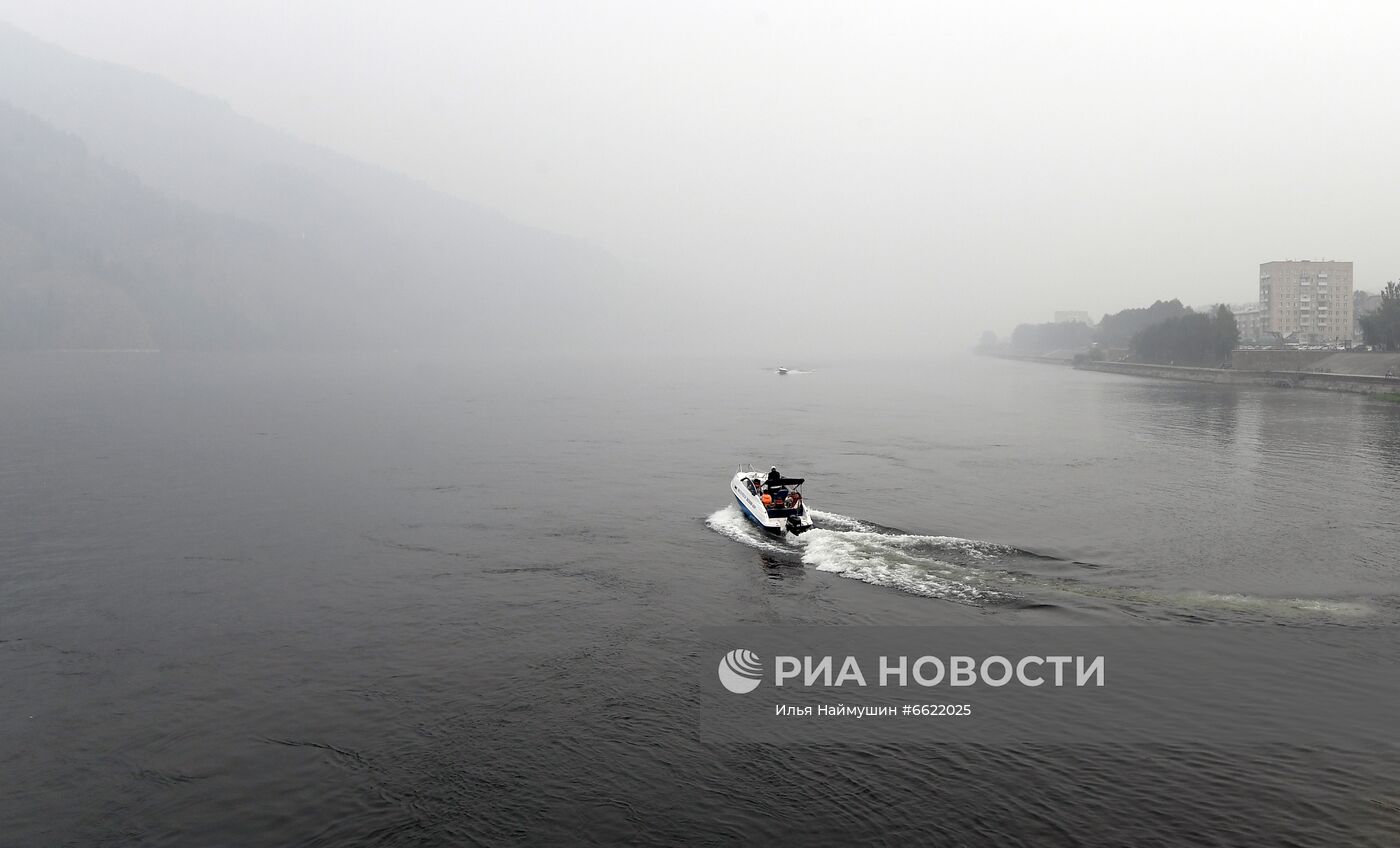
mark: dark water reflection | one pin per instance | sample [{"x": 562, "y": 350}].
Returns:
[
  {"x": 1386, "y": 451},
  {"x": 412, "y": 601}
]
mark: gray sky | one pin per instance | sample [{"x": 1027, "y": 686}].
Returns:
[{"x": 927, "y": 169}]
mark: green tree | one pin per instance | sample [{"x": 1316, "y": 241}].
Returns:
[
  {"x": 1195, "y": 338},
  {"x": 1382, "y": 327},
  {"x": 1227, "y": 332},
  {"x": 1118, "y": 329}
]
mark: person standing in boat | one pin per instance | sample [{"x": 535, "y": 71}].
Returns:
[{"x": 774, "y": 478}]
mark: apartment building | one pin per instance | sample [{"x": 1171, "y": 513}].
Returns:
[{"x": 1306, "y": 300}]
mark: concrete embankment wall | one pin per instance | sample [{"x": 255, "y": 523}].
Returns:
[
  {"x": 1362, "y": 384},
  {"x": 1325, "y": 361},
  {"x": 1278, "y": 360},
  {"x": 1372, "y": 364}
]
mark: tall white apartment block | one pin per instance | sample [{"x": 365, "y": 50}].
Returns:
[{"x": 1308, "y": 300}]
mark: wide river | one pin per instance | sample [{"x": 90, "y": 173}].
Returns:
[{"x": 405, "y": 600}]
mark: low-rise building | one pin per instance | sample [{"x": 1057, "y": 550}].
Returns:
[{"x": 1250, "y": 320}]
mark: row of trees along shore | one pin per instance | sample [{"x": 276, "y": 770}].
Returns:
[
  {"x": 1382, "y": 327},
  {"x": 1196, "y": 338},
  {"x": 1168, "y": 332},
  {"x": 1164, "y": 332}
]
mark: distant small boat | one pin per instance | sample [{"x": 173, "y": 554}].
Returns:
[{"x": 782, "y": 369}]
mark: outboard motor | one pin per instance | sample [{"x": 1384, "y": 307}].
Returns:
[{"x": 795, "y": 526}]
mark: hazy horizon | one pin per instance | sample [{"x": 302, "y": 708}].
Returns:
[
  {"x": 860, "y": 178},
  {"x": 388, "y": 392}
]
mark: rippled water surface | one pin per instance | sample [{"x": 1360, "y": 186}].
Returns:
[{"x": 410, "y": 601}]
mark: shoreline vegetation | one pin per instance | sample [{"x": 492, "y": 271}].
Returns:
[
  {"x": 1171, "y": 341},
  {"x": 1169, "y": 333}
]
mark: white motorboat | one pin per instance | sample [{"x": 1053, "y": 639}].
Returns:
[
  {"x": 771, "y": 501},
  {"x": 782, "y": 369}
]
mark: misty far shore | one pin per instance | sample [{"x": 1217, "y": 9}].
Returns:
[{"x": 135, "y": 214}]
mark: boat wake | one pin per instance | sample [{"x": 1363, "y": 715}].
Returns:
[
  {"x": 943, "y": 567},
  {"x": 1234, "y": 605},
  {"x": 985, "y": 573}
]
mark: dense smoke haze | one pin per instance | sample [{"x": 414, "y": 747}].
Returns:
[
  {"x": 467, "y": 423},
  {"x": 866, "y": 180}
]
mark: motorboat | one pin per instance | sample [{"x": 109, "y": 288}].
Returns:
[
  {"x": 771, "y": 501},
  {"x": 782, "y": 369}
]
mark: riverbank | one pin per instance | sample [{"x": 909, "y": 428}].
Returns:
[
  {"x": 1055, "y": 357},
  {"x": 1353, "y": 383}
]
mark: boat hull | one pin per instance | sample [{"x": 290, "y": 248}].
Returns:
[
  {"x": 753, "y": 519},
  {"x": 750, "y": 504}
]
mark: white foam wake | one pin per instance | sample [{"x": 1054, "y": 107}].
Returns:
[
  {"x": 1207, "y": 603},
  {"x": 854, "y": 549},
  {"x": 968, "y": 571},
  {"x": 836, "y": 521},
  {"x": 901, "y": 562},
  {"x": 1325, "y": 606},
  {"x": 731, "y": 522}
]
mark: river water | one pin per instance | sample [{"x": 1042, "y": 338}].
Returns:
[{"x": 404, "y": 600}]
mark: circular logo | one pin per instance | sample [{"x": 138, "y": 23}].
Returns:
[{"x": 740, "y": 671}]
